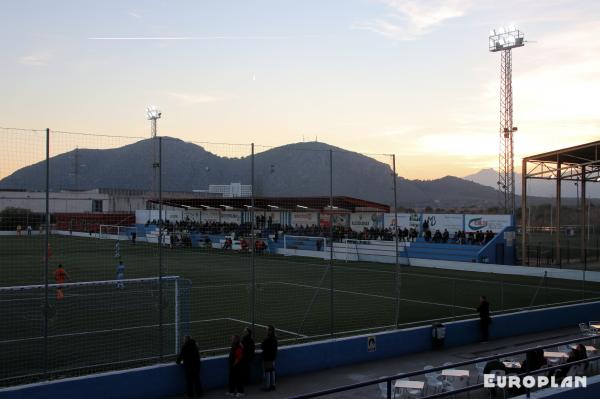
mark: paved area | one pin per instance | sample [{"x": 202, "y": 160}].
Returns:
[{"x": 305, "y": 383}]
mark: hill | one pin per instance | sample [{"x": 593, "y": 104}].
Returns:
[
  {"x": 540, "y": 188},
  {"x": 290, "y": 170}
]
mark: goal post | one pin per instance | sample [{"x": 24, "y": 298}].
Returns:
[{"x": 94, "y": 323}]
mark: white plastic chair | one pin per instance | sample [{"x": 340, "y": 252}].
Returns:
[
  {"x": 407, "y": 392},
  {"x": 433, "y": 381},
  {"x": 383, "y": 388},
  {"x": 479, "y": 367},
  {"x": 498, "y": 373}
]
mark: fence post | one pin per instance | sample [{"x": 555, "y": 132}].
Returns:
[
  {"x": 46, "y": 260},
  {"x": 453, "y": 298},
  {"x": 331, "y": 285},
  {"x": 398, "y": 271},
  {"x": 160, "y": 252},
  {"x": 253, "y": 226},
  {"x": 501, "y": 294}
]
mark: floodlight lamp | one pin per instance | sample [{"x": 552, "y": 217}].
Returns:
[
  {"x": 492, "y": 32},
  {"x": 500, "y": 31},
  {"x": 512, "y": 28},
  {"x": 152, "y": 112}
]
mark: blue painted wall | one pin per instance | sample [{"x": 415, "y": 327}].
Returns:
[{"x": 168, "y": 380}]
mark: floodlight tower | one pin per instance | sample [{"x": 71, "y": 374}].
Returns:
[
  {"x": 153, "y": 114},
  {"x": 504, "y": 40}
]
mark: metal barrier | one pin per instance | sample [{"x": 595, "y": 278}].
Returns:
[{"x": 389, "y": 380}]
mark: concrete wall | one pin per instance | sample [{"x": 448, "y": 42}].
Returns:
[{"x": 167, "y": 380}]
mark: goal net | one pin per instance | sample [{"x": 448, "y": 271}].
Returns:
[
  {"x": 114, "y": 232},
  {"x": 90, "y": 326}
]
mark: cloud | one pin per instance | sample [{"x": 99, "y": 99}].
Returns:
[
  {"x": 134, "y": 14},
  {"x": 188, "y": 38},
  {"x": 410, "y": 19},
  {"x": 194, "y": 98},
  {"x": 34, "y": 60}
]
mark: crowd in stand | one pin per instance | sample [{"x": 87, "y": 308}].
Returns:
[{"x": 180, "y": 232}]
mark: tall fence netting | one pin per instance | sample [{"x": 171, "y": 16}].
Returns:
[{"x": 147, "y": 240}]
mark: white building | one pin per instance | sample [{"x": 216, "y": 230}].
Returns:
[
  {"x": 231, "y": 190},
  {"x": 96, "y": 200}
]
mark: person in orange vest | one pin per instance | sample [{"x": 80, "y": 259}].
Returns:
[{"x": 60, "y": 276}]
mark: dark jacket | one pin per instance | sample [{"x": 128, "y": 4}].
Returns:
[
  {"x": 269, "y": 348},
  {"x": 249, "y": 348},
  {"x": 484, "y": 311},
  {"x": 189, "y": 355}
]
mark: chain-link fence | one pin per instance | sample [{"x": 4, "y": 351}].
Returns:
[{"x": 114, "y": 248}]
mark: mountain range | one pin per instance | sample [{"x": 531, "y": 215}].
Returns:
[
  {"x": 538, "y": 188},
  {"x": 300, "y": 169}
]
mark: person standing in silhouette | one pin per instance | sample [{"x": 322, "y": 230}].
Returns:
[{"x": 484, "y": 318}]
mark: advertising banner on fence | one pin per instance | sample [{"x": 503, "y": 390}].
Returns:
[
  {"x": 403, "y": 221},
  {"x": 174, "y": 215},
  {"x": 275, "y": 217},
  {"x": 231, "y": 217},
  {"x": 496, "y": 223},
  {"x": 305, "y": 218},
  {"x": 449, "y": 221},
  {"x": 210, "y": 216},
  {"x": 194, "y": 216},
  {"x": 338, "y": 219},
  {"x": 365, "y": 220},
  {"x": 143, "y": 216}
]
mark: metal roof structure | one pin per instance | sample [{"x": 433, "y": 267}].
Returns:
[
  {"x": 576, "y": 163},
  {"x": 580, "y": 164},
  {"x": 298, "y": 204}
]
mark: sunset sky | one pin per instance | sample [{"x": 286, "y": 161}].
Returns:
[{"x": 410, "y": 77}]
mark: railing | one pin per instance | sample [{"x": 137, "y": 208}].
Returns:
[{"x": 389, "y": 380}]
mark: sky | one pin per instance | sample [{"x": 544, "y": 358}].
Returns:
[{"x": 409, "y": 77}]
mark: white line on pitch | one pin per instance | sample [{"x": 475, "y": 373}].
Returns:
[
  {"x": 372, "y": 295},
  {"x": 264, "y": 326},
  {"x": 107, "y": 331}
]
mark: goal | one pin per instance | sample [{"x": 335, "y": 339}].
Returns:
[
  {"x": 114, "y": 232},
  {"x": 94, "y": 324}
]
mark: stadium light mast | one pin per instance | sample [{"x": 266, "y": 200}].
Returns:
[
  {"x": 503, "y": 40},
  {"x": 153, "y": 114}
]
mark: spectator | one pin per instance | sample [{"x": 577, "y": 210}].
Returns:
[
  {"x": 269, "y": 354},
  {"x": 236, "y": 372},
  {"x": 428, "y": 235},
  {"x": 445, "y": 236},
  {"x": 29, "y": 230},
  {"x": 190, "y": 356},
  {"x": 249, "y": 349},
  {"x": 484, "y": 317}
]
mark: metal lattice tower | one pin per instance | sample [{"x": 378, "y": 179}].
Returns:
[
  {"x": 153, "y": 114},
  {"x": 504, "y": 40}
]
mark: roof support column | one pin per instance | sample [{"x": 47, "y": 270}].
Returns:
[{"x": 557, "y": 259}]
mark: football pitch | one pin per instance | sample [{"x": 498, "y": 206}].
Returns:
[{"x": 102, "y": 327}]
